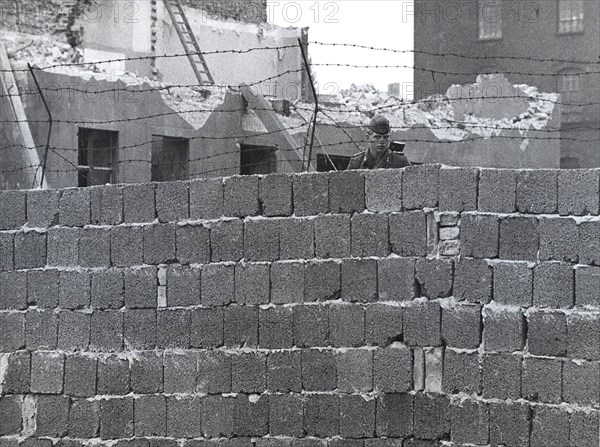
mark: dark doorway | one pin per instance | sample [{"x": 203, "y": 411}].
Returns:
[
  {"x": 257, "y": 159},
  {"x": 96, "y": 156},
  {"x": 170, "y": 158}
]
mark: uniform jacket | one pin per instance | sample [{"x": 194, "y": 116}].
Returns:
[{"x": 390, "y": 159}]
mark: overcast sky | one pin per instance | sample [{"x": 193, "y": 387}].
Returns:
[{"x": 375, "y": 23}]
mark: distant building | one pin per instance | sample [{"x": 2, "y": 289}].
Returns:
[{"x": 551, "y": 44}]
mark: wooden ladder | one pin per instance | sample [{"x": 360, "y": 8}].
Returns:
[{"x": 189, "y": 42}]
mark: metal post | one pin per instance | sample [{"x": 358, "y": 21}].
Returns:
[
  {"x": 314, "y": 120},
  {"x": 49, "y": 123}
]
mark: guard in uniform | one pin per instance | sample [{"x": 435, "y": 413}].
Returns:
[{"x": 378, "y": 155}]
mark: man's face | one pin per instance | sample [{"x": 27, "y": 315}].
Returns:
[{"x": 378, "y": 143}]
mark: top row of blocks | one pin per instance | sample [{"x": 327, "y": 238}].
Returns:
[{"x": 565, "y": 192}]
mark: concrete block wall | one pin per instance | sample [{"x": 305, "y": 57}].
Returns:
[{"x": 427, "y": 306}]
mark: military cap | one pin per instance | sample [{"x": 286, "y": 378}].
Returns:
[{"x": 379, "y": 124}]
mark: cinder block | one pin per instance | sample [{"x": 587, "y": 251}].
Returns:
[
  {"x": 311, "y": 326},
  {"x": 172, "y": 201},
  {"x": 63, "y": 247},
  {"x": 383, "y": 324},
  {"x": 74, "y": 207},
  {"x": 217, "y": 416},
  {"x": 296, "y": 239},
  {"x": 73, "y": 330},
  {"x": 80, "y": 376},
  {"x": 107, "y": 289},
  {"x": 140, "y": 329},
  {"x": 42, "y": 288},
  {"x": 206, "y": 198},
  {"x": 462, "y": 373},
  {"x": 395, "y": 415},
  {"x": 355, "y": 371},
  {"x": 275, "y": 194},
  {"x": 42, "y": 208},
  {"x": 587, "y": 284},
  {"x": 432, "y": 416},
  {"x": 509, "y": 424},
  {"x": 423, "y": 324},
  {"x": 276, "y": 328},
  {"x": 227, "y": 240},
  {"x": 286, "y": 415},
  {"x": 553, "y": 285},
  {"x": 383, "y": 442},
  {"x": 396, "y": 279},
  {"x": 74, "y": 289},
  {"x": 332, "y": 236},
  {"x": 408, "y": 233},
  {"x": 261, "y": 239},
  {"x": 126, "y": 246},
  {"x": 321, "y": 415},
  {"x": 284, "y": 371},
  {"x": 392, "y": 369},
  {"x": 346, "y": 325},
  {"x": 434, "y": 277},
  {"x": 183, "y": 286},
  {"x": 473, "y": 280},
  {"x": 470, "y": 422},
  {"x": 10, "y": 408},
  {"x": 193, "y": 244},
  {"x": 106, "y": 204},
  {"x": 146, "y": 375},
  {"x": 311, "y": 194},
  {"x": 322, "y": 281},
  {"x": 458, "y": 189},
  {"x": 138, "y": 203},
  {"x": 420, "y": 186},
  {"x": 173, "y": 329},
  {"x": 106, "y": 333},
  {"x": 479, "y": 235},
  {"x": 251, "y": 417},
  {"x": 461, "y": 326},
  {"x": 556, "y": 239},
  {"x": 519, "y": 238},
  {"x": 589, "y": 242},
  {"x": 150, "y": 416},
  {"x": 241, "y": 326},
  {"x": 357, "y": 417},
  {"x": 319, "y": 370},
  {"x": 583, "y": 336},
  {"x": 541, "y": 380},
  {"x": 30, "y": 250},
  {"x": 84, "y": 419},
  {"x": 537, "y": 191},
  {"x": 159, "y": 243},
  {"x": 346, "y": 192},
  {"x": 12, "y": 209},
  {"x": 240, "y": 196},
  {"x": 383, "y": 190},
  {"x": 503, "y": 330},
  {"x": 578, "y": 192},
  {"x": 583, "y": 429},
  {"x": 549, "y": 427},
  {"x": 140, "y": 288},
  {"x": 513, "y": 283},
  {"x": 214, "y": 372},
  {"x": 581, "y": 382},
  {"x": 501, "y": 376},
  {"x": 94, "y": 247},
  {"x": 52, "y": 416},
  {"x": 47, "y": 370},
  {"x": 369, "y": 235},
  {"x": 41, "y": 330},
  {"x": 113, "y": 376},
  {"x": 249, "y": 373},
  {"x": 217, "y": 284},
  {"x": 206, "y": 328},
  {"x": 359, "y": 280},
  {"x": 184, "y": 417},
  {"x": 7, "y": 251},
  {"x": 179, "y": 371},
  {"x": 17, "y": 375},
  {"x": 252, "y": 283},
  {"x": 287, "y": 282}
]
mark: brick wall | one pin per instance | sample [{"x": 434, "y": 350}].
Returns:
[{"x": 401, "y": 308}]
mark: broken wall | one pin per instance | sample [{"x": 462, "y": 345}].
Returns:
[{"x": 426, "y": 306}]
